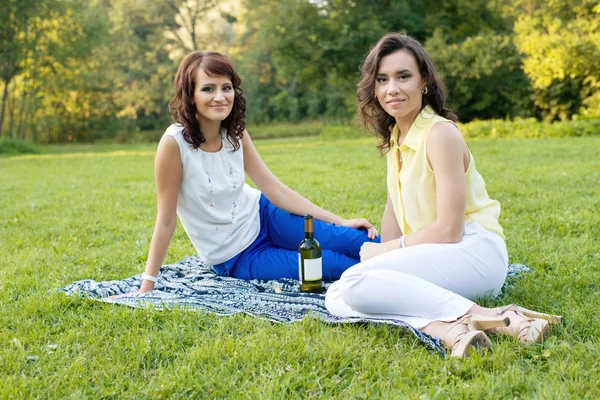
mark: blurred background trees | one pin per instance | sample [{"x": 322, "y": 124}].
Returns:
[{"x": 81, "y": 70}]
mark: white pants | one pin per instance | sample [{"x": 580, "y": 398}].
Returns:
[{"x": 424, "y": 283}]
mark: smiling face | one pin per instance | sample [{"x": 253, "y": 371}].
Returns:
[
  {"x": 213, "y": 97},
  {"x": 398, "y": 85}
]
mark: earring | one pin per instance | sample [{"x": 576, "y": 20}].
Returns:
[{"x": 425, "y": 90}]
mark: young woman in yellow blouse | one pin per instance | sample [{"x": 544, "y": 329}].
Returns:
[{"x": 441, "y": 244}]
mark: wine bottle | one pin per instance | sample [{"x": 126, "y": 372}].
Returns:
[{"x": 310, "y": 268}]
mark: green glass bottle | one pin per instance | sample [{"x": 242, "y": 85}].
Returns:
[{"x": 310, "y": 267}]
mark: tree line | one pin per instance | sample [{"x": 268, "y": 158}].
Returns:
[{"x": 80, "y": 70}]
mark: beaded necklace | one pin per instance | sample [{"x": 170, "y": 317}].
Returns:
[{"x": 224, "y": 151}]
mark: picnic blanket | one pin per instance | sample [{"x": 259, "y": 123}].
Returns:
[{"x": 189, "y": 283}]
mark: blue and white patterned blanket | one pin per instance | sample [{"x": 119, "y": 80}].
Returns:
[{"x": 191, "y": 284}]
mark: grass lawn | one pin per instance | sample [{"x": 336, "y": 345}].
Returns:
[{"x": 75, "y": 213}]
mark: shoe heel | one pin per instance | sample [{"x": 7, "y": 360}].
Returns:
[
  {"x": 476, "y": 340},
  {"x": 484, "y": 322}
]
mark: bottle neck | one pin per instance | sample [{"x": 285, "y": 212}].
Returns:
[{"x": 309, "y": 228}]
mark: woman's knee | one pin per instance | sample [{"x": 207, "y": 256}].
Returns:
[
  {"x": 333, "y": 300},
  {"x": 350, "y": 290}
]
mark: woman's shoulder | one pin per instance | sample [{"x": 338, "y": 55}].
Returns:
[
  {"x": 444, "y": 130},
  {"x": 173, "y": 138},
  {"x": 443, "y": 140},
  {"x": 175, "y": 130}
]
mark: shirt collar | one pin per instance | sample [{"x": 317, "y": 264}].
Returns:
[{"x": 412, "y": 139}]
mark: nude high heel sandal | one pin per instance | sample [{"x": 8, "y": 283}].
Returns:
[
  {"x": 533, "y": 328},
  {"x": 474, "y": 337}
]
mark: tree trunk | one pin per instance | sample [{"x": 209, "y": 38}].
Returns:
[
  {"x": 11, "y": 112},
  {"x": 22, "y": 113},
  {"x": 4, "y": 99},
  {"x": 29, "y": 90}
]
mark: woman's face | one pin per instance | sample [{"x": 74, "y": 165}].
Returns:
[
  {"x": 398, "y": 85},
  {"x": 213, "y": 97}
]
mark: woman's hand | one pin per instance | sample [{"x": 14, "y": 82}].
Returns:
[
  {"x": 146, "y": 286},
  {"x": 361, "y": 223},
  {"x": 370, "y": 250}
]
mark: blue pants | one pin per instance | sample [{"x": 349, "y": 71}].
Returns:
[{"x": 274, "y": 253}]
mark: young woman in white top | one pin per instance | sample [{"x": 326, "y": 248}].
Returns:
[{"x": 200, "y": 170}]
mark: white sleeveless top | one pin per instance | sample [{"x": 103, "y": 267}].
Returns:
[{"x": 217, "y": 209}]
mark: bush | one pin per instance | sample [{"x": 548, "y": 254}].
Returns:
[
  {"x": 530, "y": 128},
  {"x": 285, "y": 130},
  {"x": 484, "y": 75},
  {"x": 16, "y": 146},
  {"x": 139, "y": 136},
  {"x": 343, "y": 132},
  {"x": 518, "y": 128}
]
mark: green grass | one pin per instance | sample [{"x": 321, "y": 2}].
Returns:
[{"x": 88, "y": 212}]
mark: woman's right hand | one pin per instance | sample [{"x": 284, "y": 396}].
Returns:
[
  {"x": 146, "y": 286},
  {"x": 361, "y": 223}
]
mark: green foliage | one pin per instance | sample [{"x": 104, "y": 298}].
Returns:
[
  {"x": 97, "y": 68},
  {"x": 75, "y": 70},
  {"x": 470, "y": 66},
  {"x": 495, "y": 128},
  {"x": 343, "y": 132},
  {"x": 314, "y": 55},
  {"x": 530, "y": 128},
  {"x": 141, "y": 71},
  {"x": 13, "y": 146},
  {"x": 61, "y": 84},
  {"x": 269, "y": 131},
  {"x": 138, "y": 136},
  {"x": 20, "y": 32},
  {"x": 88, "y": 212},
  {"x": 561, "y": 40},
  {"x": 284, "y": 130},
  {"x": 461, "y": 19}
]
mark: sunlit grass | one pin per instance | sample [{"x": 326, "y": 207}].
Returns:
[{"x": 84, "y": 212}]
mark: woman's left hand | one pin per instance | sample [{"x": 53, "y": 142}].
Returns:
[
  {"x": 361, "y": 223},
  {"x": 370, "y": 250}
]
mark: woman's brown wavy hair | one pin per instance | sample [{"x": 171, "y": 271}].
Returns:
[
  {"x": 182, "y": 104},
  {"x": 370, "y": 113}
]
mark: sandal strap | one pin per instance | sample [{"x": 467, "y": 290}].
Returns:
[
  {"x": 524, "y": 328},
  {"x": 458, "y": 338},
  {"x": 461, "y": 321}
]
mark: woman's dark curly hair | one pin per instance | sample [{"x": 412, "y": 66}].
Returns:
[
  {"x": 370, "y": 113},
  {"x": 182, "y": 104}
]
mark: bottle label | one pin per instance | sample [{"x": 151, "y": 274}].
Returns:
[{"x": 313, "y": 269}]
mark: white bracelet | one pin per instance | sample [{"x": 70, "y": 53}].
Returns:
[
  {"x": 149, "y": 278},
  {"x": 402, "y": 241}
]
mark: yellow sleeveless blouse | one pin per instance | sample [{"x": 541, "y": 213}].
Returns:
[{"x": 412, "y": 189}]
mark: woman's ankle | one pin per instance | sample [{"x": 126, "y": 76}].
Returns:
[
  {"x": 446, "y": 331},
  {"x": 490, "y": 312}
]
